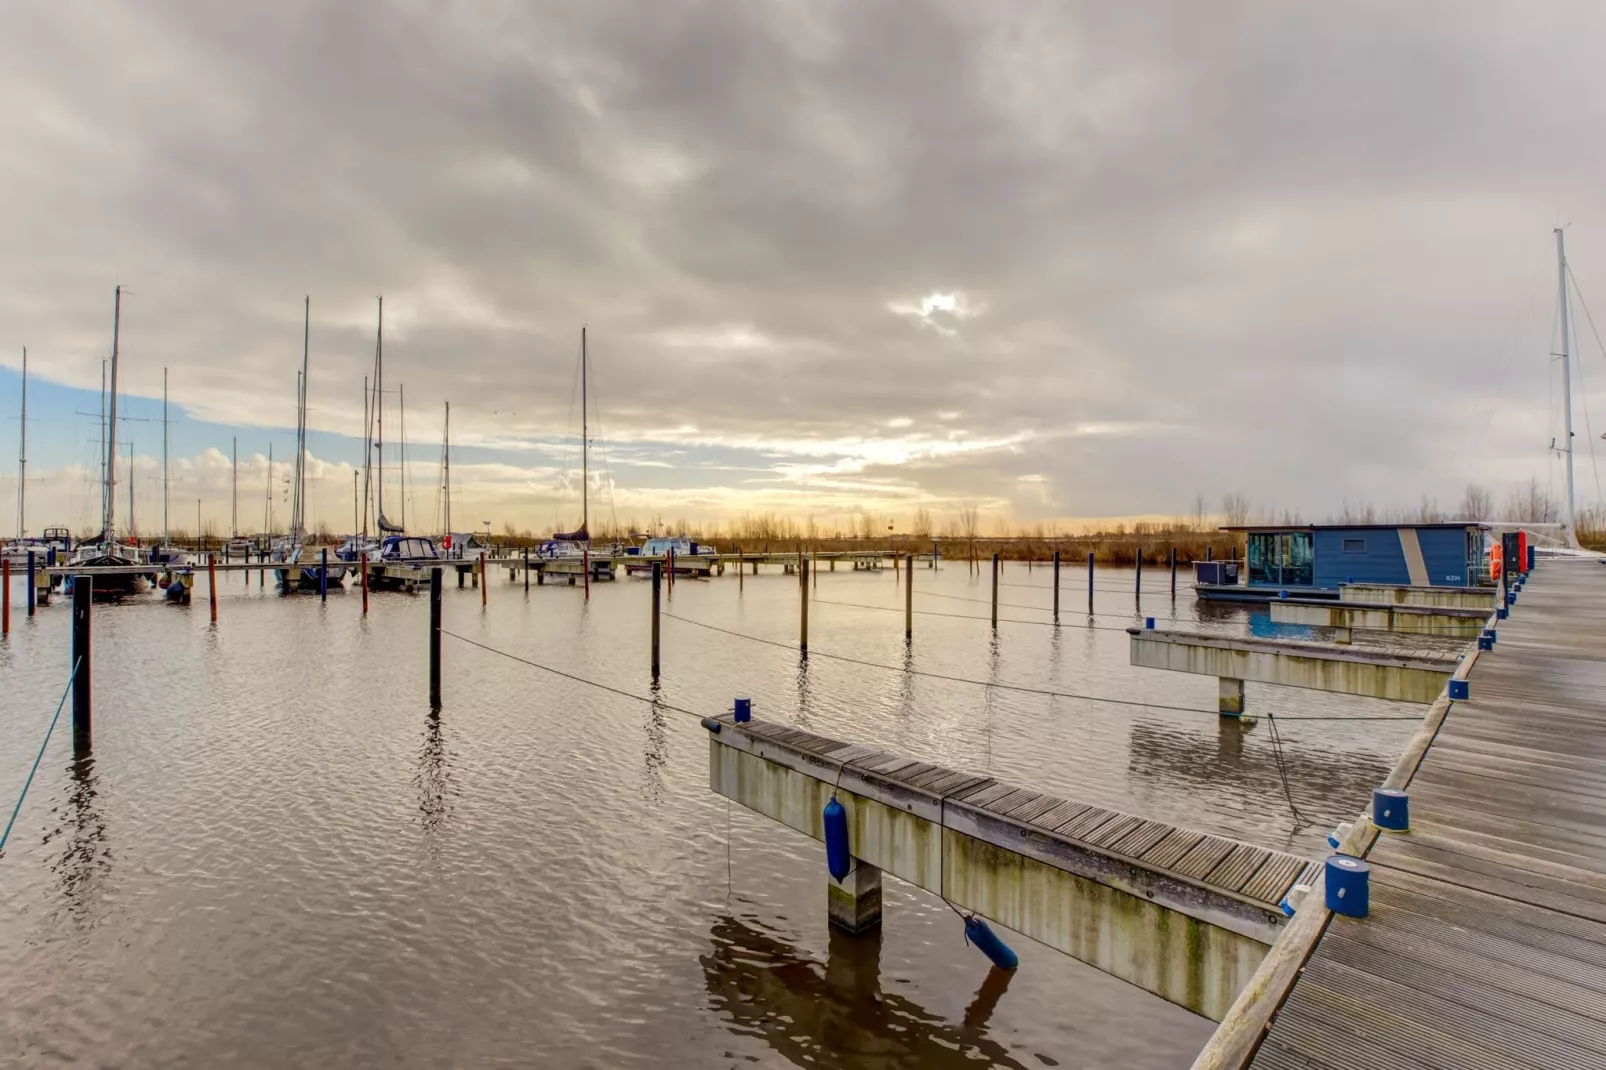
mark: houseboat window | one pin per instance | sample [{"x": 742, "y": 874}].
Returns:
[
  {"x": 1354, "y": 546},
  {"x": 1280, "y": 558}
]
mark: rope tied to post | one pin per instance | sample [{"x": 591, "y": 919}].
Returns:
[{"x": 28, "y": 783}]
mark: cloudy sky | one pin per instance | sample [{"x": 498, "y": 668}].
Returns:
[{"x": 1061, "y": 260}]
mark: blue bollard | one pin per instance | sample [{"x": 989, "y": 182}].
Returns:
[
  {"x": 1484, "y": 642},
  {"x": 1460, "y": 689},
  {"x": 978, "y": 932},
  {"x": 1511, "y": 598},
  {"x": 837, "y": 859},
  {"x": 1348, "y": 886},
  {"x": 1391, "y": 810},
  {"x": 1501, "y": 613},
  {"x": 744, "y": 709},
  {"x": 1148, "y": 623},
  {"x": 1491, "y": 635}
]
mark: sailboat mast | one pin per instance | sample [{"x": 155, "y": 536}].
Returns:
[
  {"x": 401, "y": 407},
  {"x": 234, "y": 493},
  {"x": 267, "y": 498},
  {"x": 167, "y": 538},
  {"x": 367, "y": 453},
  {"x": 379, "y": 402},
  {"x": 22, "y": 457},
  {"x": 301, "y": 423},
  {"x": 446, "y": 464},
  {"x": 133, "y": 538},
  {"x": 111, "y": 428},
  {"x": 1566, "y": 379},
  {"x": 585, "y": 444}
]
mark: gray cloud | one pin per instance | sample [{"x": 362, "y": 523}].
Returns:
[{"x": 1198, "y": 248}]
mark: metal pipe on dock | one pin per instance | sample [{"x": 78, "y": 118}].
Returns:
[
  {"x": 435, "y": 638},
  {"x": 83, "y": 591},
  {"x": 657, "y": 585}
]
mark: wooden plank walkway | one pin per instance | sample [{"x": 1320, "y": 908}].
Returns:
[{"x": 1486, "y": 942}]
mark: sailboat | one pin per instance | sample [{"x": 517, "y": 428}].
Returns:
[
  {"x": 577, "y": 543},
  {"x": 103, "y": 551},
  {"x": 298, "y": 569}
]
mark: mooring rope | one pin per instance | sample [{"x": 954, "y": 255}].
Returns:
[{"x": 40, "y": 756}]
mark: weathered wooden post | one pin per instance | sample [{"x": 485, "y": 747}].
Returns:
[
  {"x": 1210, "y": 553},
  {"x": 934, "y": 555},
  {"x": 1090, "y": 581},
  {"x": 657, "y": 586},
  {"x": 262, "y": 573},
  {"x": 363, "y": 565},
  {"x": 83, "y": 591},
  {"x": 803, "y": 635},
  {"x": 323, "y": 576},
  {"x": 435, "y": 638},
  {"x": 211, "y": 583},
  {"x": 1137, "y": 581},
  {"x": 485, "y": 580},
  {"x": 740, "y": 570},
  {"x": 995, "y": 590},
  {"x": 32, "y": 582},
  {"x": 1056, "y": 586},
  {"x": 814, "y": 566},
  {"x": 909, "y": 600},
  {"x": 1173, "y": 573},
  {"x": 585, "y": 564},
  {"x": 526, "y": 570},
  {"x": 5, "y": 596}
]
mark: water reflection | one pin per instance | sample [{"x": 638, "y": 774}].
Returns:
[
  {"x": 434, "y": 777},
  {"x": 655, "y": 749},
  {"x": 86, "y": 852},
  {"x": 804, "y": 693},
  {"x": 837, "y": 1015}
]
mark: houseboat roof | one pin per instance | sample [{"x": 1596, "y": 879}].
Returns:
[{"x": 1457, "y": 525}]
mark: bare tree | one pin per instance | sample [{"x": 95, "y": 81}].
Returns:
[
  {"x": 922, "y": 522},
  {"x": 1477, "y": 503},
  {"x": 1235, "y": 509},
  {"x": 1532, "y": 504},
  {"x": 1428, "y": 511}
]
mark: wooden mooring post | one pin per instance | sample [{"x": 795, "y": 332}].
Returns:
[
  {"x": 362, "y": 564},
  {"x": 657, "y": 590},
  {"x": 803, "y": 600},
  {"x": 5, "y": 596},
  {"x": 995, "y": 592},
  {"x": 1056, "y": 586},
  {"x": 83, "y": 593},
  {"x": 1173, "y": 573},
  {"x": 909, "y": 601},
  {"x": 1137, "y": 580},
  {"x": 33, "y": 579},
  {"x": 739, "y": 570},
  {"x": 323, "y": 575},
  {"x": 211, "y": 583},
  {"x": 1090, "y": 582},
  {"x": 485, "y": 581},
  {"x": 435, "y": 638},
  {"x": 585, "y": 564},
  {"x": 526, "y": 570}
]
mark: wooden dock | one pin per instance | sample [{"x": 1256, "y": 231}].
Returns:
[
  {"x": 1485, "y": 945},
  {"x": 1180, "y": 913}
]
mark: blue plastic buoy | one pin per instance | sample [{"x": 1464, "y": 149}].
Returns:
[
  {"x": 744, "y": 709},
  {"x": 837, "y": 859},
  {"x": 1148, "y": 623},
  {"x": 1391, "y": 810},
  {"x": 1460, "y": 689},
  {"x": 987, "y": 942},
  {"x": 1348, "y": 886}
]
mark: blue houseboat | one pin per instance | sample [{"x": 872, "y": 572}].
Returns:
[{"x": 1314, "y": 560}]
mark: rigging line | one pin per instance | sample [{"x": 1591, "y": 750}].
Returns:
[
  {"x": 26, "y": 784},
  {"x": 570, "y": 676},
  {"x": 1282, "y": 771},
  {"x": 968, "y": 616},
  {"x": 1036, "y": 609},
  {"x": 1583, "y": 392},
  {"x": 1069, "y": 587},
  {"x": 942, "y": 676}
]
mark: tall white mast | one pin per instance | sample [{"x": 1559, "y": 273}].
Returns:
[
  {"x": 234, "y": 493},
  {"x": 379, "y": 405},
  {"x": 367, "y": 453},
  {"x": 110, "y": 517},
  {"x": 299, "y": 505},
  {"x": 167, "y": 538},
  {"x": 401, "y": 407},
  {"x": 585, "y": 446},
  {"x": 446, "y": 465},
  {"x": 22, "y": 457},
  {"x": 1566, "y": 380}
]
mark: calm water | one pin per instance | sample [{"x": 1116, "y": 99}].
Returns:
[{"x": 278, "y": 857}]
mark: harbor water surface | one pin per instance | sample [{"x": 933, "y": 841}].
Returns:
[{"x": 278, "y": 855}]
